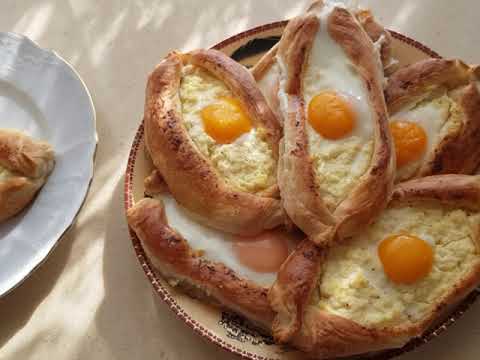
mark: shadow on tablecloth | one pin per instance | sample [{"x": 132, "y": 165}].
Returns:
[{"x": 17, "y": 307}]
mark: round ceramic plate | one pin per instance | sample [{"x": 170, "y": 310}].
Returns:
[
  {"x": 229, "y": 331},
  {"x": 42, "y": 96}
]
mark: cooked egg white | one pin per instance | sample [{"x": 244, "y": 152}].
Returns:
[
  {"x": 269, "y": 81},
  {"x": 214, "y": 245},
  {"x": 438, "y": 117},
  {"x": 354, "y": 285},
  {"x": 247, "y": 163},
  {"x": 338, "y": 164}
]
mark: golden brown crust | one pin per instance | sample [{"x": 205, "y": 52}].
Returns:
[
  {"x": 23, "y": 155},
  {"x": 454, "y": 189},
  {"x": 300, "y": 196},
  {"x": 190, "y": 176},
  {"x": 15, "y": 194},
  {"x": 154, "y": 184},
  {"x": 295, "y": 282},
  {"x": 458, "y": 152},
  {"x": 380, "y": 35},
  {"x": 325, "y": 335},
  {"x": 174, "y": 258},
  {"x": 415, "y": 82},
  {"x": 263, "y": 65},
  {"x": 29, "y": 162}
]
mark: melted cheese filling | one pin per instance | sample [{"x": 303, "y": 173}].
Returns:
[
  {"x": 439, "y": 117},
  {"x": 354, "y": 285},
  {"x": 246, "y": 164}
]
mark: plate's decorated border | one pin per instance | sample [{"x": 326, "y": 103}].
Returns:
[
  {"x": 415, "y": 44},
  {"x": 164, "y": 293}
]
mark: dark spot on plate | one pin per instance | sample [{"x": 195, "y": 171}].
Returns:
[{"x": 254, "y": 47}]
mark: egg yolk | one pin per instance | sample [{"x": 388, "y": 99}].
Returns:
[
  {"x": 405, "y": 258},
  {"x": 331, "y": 115},
  {"x": 410, "y": 141},
  {"x": 264, "y": 253},
  {"x": 226, "y": 120}
]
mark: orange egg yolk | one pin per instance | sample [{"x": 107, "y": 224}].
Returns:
[
  {"x": 264, "y": 253},
  {"x": 410, "y": 141},
  {"x": 226, "y": 120},
  {"x": 331, "y": 115},
  {"x": 405, "y": 258}
]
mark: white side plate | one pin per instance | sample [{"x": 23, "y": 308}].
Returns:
[{"x": 43, "y": 96}]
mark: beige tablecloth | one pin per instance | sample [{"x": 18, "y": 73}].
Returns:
[{"x": 91, "y": 300}]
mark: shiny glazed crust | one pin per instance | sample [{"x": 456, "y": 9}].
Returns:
[
  {"x": 324, "y": 335},
  {"x": 300, "y": 197},
  {"x": 30, "y": 163},
  {"x": 378, "y": 33},
  {"x": 189, "y": 175},
  {"x": 181, "y": 266},
  {"x": 459, "y": 151}
]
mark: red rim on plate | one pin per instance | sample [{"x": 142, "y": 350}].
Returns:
[{"x": 164, "y": 292}]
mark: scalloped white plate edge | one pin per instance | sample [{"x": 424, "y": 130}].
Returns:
[{"x": 19, "y": 226}]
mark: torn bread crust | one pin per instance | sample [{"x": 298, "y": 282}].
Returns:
[
  {"x": 458, "y": 151},
  {"x": 177, "y": 262},
  {"x": 325, "y": 335},
  {"x": 301, "y": 198},
  {"x": 29, "y": 164},
  {"x": 154, "y": 184},
  {"x": 266, "y": 75},
  {"x": 380, "y": 36},
  {"x": 191, "y": 178},
  {"x": 266, "y": 66},
  {"x": 293, "y": 286}
]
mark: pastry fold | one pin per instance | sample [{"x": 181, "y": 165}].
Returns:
[
  {"x": 302, "y": 195},
  {"x": 455, "y": 147},
  {"x": 189, "y": 173},
  {"x": 25, "y": 165}
]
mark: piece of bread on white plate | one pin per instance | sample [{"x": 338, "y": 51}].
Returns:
[
  {"x": 214, "y": 141},
  {"x": 434, "y": 110},
  {"x": 389, "y": 283},
  {"x": 336, "y": 164},
  {"x": 25, "y": 165}
]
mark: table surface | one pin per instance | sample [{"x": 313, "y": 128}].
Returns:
[{"x": 91, "y": 299}]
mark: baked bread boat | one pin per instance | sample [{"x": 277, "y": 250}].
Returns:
[
  {"x": 25, "y": 165},
  {"x": 214, "y": 141},
  {"x": 266, "y": 71},
  {"x": 209, "y": 264},
  {"x": 389, "y": 283},
  {"x": 336, "y": 164},
  {"x": 435, "y": 118}
]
